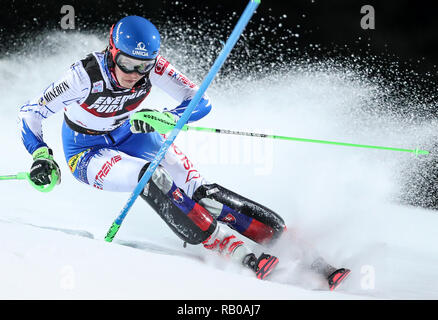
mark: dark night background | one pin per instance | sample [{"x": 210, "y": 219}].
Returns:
[
  {"x": 405, "y": 28},
  {"x": 405, "y": 31}
]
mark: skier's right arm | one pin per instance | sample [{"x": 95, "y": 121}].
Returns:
[{"x": 72, "y": 87}]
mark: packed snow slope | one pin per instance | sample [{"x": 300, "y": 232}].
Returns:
[{"x": 339, "y": 200}]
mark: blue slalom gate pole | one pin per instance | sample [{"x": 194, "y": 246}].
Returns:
[{"x": 237, "y": 31}]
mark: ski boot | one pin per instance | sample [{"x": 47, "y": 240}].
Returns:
[
  {"x": 335, "y": 279},
  {"x": 333, "y": 275},
  {"x": 262, "y": 266}
]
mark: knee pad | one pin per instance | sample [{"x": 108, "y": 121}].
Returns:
[{"x": 187, "y": 219}]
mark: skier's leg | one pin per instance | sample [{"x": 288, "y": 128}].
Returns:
[
  {"x": 112, "y": 170},
  {"x": 106, "y": 169},
  {"x": 195, "y": 225},
  {"x": 243, "y": 215},
  {"x": 249, "y": 218},
  {"x": 187, "y": 219},
  {"x": 181, "y": 169},
  {"x": 117, "y": 167}
]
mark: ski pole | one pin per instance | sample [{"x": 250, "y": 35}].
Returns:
[
  {"x": 235, "y": 35},
  {"x": 26, "y": 176},
  {"x": 261, "y": 135}
]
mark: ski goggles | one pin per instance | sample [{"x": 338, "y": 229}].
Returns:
[{"x": 129, "y": 65}]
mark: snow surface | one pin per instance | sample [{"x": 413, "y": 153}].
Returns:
[{"x": 340, "y": 200}]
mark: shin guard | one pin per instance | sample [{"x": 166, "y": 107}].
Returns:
[
  {"x": 187, "y": 219},
  {"x": 243, "y": 215}
]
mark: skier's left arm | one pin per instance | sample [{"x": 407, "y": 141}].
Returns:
[{"x": 179, "y": 87}]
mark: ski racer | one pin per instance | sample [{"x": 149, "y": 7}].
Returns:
[{"x": 109, "y": 141}]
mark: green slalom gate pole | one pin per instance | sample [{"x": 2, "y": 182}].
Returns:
[
  {"x": 345, "y": 144},
  {"x": 235, "y": 35},
  {"x": 26, "y": 176}
]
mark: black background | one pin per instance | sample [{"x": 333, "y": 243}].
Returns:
[
  {"x": 404, "y": 28},
  {"x": 401, "y": 49}
]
